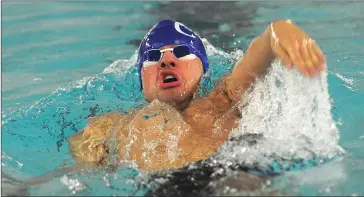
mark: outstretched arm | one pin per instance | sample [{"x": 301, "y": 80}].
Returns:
[{"x": 281, "y": 39}]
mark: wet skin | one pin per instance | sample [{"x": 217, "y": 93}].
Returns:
[{"x": 177, "y": 128}]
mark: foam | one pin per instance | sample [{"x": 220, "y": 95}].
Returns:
[{"x": 292, "y": 113}]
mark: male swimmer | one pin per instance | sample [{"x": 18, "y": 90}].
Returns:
[{"x": 177, "y": 127}]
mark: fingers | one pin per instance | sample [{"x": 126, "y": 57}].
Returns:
[
  {"x": 279, "y": 52},
  {"x": 295, "y": 56},
  {"x": 300, "y": 63},
  {"x": 308, "y": 61},
  {"x": 314, "y": 57},
  {"x": 320, "y": 56},
  {"x": 305, "y": 55}
]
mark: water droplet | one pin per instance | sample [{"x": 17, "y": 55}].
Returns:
[
  {"x": 224, "y": 27},
  {"x": 327, "y": 190},
  {"x": 268, "y": 182}
]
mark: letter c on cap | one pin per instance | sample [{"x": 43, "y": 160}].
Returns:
[{"x": 178, "y": 28}]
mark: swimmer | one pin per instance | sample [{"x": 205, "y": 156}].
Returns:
[{"x": 178, "y": 127}]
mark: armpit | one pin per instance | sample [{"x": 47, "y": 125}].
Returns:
[
  {"x": 232, "y": 89},
  {"x": 203, "y": 113},
  {"x": 223, "y": 101},
  {"x": 220, "y": 96}
]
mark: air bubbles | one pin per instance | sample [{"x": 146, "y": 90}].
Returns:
[
  {"x": 224, "y": 27},
  {"x": 268, "y": 182},
  {"x": 73, "y": 185},
  {"x": 107, "y": 181},
  {"x": 327, "y": 190}
]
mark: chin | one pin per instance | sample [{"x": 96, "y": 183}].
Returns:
[{"x": 175, "y": 97}]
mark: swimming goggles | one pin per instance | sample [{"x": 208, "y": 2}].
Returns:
[{"x": 181, "y": 52}]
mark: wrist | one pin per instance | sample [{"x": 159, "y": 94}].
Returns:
[{"x": 269, "y": 38}]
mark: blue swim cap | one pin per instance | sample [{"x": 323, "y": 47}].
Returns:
[{"x": 169, "y": 32}]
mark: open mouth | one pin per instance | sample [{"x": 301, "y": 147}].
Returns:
[{"x": 169, "y": 79}]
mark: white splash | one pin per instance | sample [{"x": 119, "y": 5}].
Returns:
[
  {"x": 349, "y": 81},
  {"x": 211, "y": 50},
  {"x": 293, "y": 115},
  {"x": 73, "y": 185},
  {"x": 120, "y": 67}
]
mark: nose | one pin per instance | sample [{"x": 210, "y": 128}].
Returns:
[{"x": 168, "y": 60}]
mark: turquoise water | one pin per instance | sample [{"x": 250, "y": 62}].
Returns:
[{"x": 60, "y": 65}]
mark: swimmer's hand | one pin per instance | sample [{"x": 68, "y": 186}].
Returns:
[
  {"x": 295, "y": 48},
  {"x": 281, "y": 39}
]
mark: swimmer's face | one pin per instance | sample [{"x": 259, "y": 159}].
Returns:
[{"x": 172, "y": 80}]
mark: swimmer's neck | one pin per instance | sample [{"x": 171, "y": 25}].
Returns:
[{"x": 180, "y": 106}]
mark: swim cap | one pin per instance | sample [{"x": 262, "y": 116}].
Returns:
[{"x": 169, "y": 32}]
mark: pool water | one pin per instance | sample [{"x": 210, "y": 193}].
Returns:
[{"x": 63, "y": 62}]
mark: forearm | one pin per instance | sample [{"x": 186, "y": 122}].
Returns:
[{"x": 255, "y": 62}]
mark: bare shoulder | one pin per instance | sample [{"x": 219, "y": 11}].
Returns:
[
  {"x": 101, "y": 125},
  {"x": 90, "y": 145}
]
